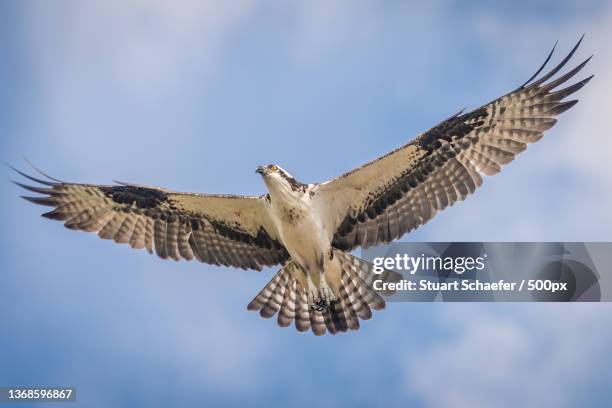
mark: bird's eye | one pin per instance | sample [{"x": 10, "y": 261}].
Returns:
[{"x": 273, "y": 167}]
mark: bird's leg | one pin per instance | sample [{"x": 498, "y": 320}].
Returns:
[
  {"x": 322, "y": 297},
  {"x": 317, "y": 302},
  {"x": 313, "y": 291},
  {"x": 326, "y": 293}
]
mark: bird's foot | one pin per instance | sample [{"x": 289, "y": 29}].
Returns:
[{"x": 320, "y": 299}]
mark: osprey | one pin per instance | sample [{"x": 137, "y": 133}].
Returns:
[{"x": 310, "y": 229}]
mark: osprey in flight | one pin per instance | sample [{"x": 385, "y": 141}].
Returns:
[{"x": 310, "y": 229}]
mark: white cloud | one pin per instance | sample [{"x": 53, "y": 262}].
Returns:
[
  {"x": 104, "y": 74},
  {"x": 326, "y": 26},
  {"x": 530, "y": 355},
  {"x": 142, "y": 44}
]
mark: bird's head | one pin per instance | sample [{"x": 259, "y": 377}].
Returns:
[{"x": 276, "y": 177}]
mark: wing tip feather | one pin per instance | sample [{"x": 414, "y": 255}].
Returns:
[
  {"x": 556, "y": 69},
  {"x": 48, "y": 201},
  {"x": 563, "y": 107},
  {"x": 42, "y": 173},
  {"x": 546, "y": 61},
  {"x": 34, "y": 179}
]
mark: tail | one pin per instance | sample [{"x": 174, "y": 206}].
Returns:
[{"x": 285, "y": 295}]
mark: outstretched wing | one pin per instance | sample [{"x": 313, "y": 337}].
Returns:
[
  {"x": 388, "y": 197},
  {"x": 217, "y": 229}
]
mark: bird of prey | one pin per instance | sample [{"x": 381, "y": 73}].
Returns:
[{"x": 310, "y": 229}]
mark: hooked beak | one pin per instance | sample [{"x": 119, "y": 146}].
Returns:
[{"x": 260, "y": 169}]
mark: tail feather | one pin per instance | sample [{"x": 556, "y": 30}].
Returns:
[
  {"x": 352, "y": 318},
  {"x": 302, "y": 319},
  {"x": 365, "y": 270},
  {"x": 264, "y": 295},
  {"x": 343, "y": 317},
  {"x": 370, "y": 296},
  {"x": 285, "y": 295},
  {"x": 317, "y": 322},
  {"x": 355, "y": 299},
  {"x": 275, "y": 301},
  {"x": 287, "y": 310}
]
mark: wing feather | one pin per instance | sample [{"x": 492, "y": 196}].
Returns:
[
  {"x": 217, "y": 229},
  {"x": 396, "y": 193}
]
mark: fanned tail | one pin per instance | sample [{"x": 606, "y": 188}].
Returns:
[{"x": 284, "y": 295}]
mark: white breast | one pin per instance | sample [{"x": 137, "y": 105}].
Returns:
[{"x": 300, "y": 228}]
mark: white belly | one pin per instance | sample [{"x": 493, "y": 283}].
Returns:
[
  {"x": 303, "y": 235},
  {"x": 301, "y": 230}
]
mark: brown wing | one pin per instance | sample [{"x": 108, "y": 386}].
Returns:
[
  {"x": 216, "y": 229},
  {"x": 386, "y": 198}
]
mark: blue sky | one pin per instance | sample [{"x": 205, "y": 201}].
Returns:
[{"x": 193, "y": 96}]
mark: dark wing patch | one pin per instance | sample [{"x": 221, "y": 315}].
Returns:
[
  {"x": 140, "y": 197},
  {"x": 173, "y": 225},
  {"x": 455, "y": 127},
  {"x": 453, "y": 156}
]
